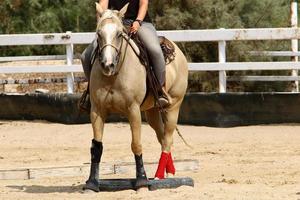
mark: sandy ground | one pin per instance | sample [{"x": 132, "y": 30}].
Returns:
[{"x": 255, "y": 162}]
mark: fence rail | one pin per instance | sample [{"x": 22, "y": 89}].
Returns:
[
  {"x": 216, "y": 35},
  {"x": 177, "y": 36},
  {"x": 32, "y": 58}
]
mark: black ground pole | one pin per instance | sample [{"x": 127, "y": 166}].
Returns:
[{"x": 128, "y": 184}]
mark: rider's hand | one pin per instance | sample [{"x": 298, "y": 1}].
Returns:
[{"x": 135, "y": 27}]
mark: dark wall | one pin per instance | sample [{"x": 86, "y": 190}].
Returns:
[
  {"x": 226, "y": 110},
  {"x": 218, "y": 110}
]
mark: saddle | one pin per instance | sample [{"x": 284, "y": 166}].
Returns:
[
  {"x": 167, "y": 48},
  {"x": 166, "y": 45}
]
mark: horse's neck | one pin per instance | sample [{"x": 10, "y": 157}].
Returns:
[
  {"x": 130, "y": 64},
  {"x": 132, "y": 44}
]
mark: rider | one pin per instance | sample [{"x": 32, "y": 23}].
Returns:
[{"x": 140, "y": 23}]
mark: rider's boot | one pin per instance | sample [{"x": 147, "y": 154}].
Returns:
[
  {"x": 164, "y": 99},
  {"x": 84, "y": 101}
]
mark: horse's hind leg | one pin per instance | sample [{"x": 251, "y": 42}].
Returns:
[
  {"x": 166, "y": 161},
  {"x": 134, "y": 117},
  {"x": 97, "y": 120},
  {"x": 155, "y": 121}
]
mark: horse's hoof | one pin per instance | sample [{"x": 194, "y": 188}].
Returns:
[
  {"x": 88, "y": 191},
  {"x": 142, "y": 190},
  {"x": 141, "y": 183},
  {"x": 92, "y": 185}
]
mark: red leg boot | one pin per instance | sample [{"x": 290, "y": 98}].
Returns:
[
  {"x": 170, "y": 168},
  {"x": 160, "y": 172}
]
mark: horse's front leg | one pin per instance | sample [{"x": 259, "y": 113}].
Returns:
[
  {"x": 135, "y": 121},
  {"x": 97, "y": 119}
]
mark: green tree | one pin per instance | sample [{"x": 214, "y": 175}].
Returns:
[
  {"x": 46, "y": 16},
  {"x": 214, "y": 14}
]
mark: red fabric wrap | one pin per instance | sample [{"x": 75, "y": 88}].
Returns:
[
  {"x": 170, "y": 169},
  {"x": 160, "y": 172}
]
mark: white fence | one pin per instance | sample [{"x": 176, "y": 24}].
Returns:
[{"x": 218, "y": 35}]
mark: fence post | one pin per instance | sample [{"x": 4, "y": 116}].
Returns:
[
  {"x": 294, "y": 24},
  {"x": 222, "y": 59},
  {"x": 70, "y": 76}
]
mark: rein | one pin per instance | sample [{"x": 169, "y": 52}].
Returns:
[
  {"x": 123, "y": 36},
  {"x": 120, "y": 64}
]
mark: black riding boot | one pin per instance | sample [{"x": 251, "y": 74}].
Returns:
[
  {"x": 84, "y": 103},
  {"x": 141, "y": 178},
  {"x": 96, "y": 152}
]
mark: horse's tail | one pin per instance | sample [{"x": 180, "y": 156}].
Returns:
[{"x": 184, "y": 141}]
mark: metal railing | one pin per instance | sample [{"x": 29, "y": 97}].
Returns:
[{"x": 215, "y": 35}]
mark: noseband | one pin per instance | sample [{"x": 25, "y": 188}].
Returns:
[{"x": 118, "y": 50}]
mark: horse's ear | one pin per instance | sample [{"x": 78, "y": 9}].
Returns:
[
  {"x": 99, "y": 9},
  {"x": 123, "y": 10}
]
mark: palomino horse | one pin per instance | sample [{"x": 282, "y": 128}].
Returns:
[{"x": 118, "y": 85}]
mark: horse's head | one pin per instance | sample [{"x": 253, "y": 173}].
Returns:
[{"x": 109, "y": 37}]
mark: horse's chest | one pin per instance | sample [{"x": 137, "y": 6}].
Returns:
[{"x": 111, "y": 99}]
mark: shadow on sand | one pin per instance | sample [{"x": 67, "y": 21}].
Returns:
[{"x": 47, "y": 189}]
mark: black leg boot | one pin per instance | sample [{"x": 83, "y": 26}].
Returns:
[
  {"x": 141, "y": 178},
  {"x": 96, "y": 152}
]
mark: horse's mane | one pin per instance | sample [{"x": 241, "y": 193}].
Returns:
[{"x": 110, "y": 14}]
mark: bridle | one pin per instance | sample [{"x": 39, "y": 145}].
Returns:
[
  {"x": 99, "y": 49},
  {"x": 110, "y": 45}
]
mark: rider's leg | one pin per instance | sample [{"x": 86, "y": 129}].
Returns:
[
  {"x": 147, "y": 34},
  {"x": 86, "y": 61}
]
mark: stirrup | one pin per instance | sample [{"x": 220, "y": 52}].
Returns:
[
  {"x": 164, "y": 99},
  {"x": 84, "y": 103}
]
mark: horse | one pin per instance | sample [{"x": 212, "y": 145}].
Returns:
[{"x": 118, "y": 85}]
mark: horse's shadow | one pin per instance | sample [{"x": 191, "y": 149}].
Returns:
[
  {"x": 36, "y": 189},
  {"x": 106, "y": 185}
]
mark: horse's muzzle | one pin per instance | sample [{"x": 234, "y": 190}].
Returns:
[{"x": 108, "y": 69}]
